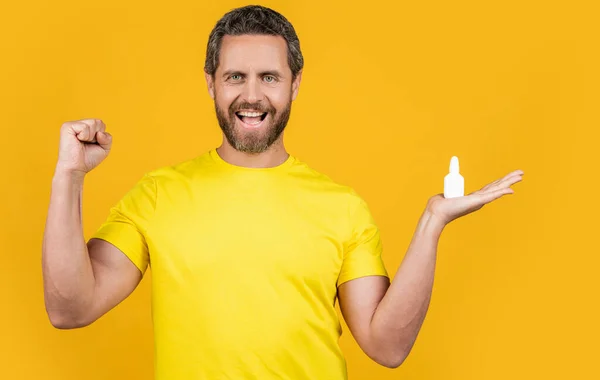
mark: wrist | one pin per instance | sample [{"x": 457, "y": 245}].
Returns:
[
  {"x": 62, "y": 174},
  {"x": 432, "y": 223}
]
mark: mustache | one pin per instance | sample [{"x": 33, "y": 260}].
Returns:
[{"x": 258, "y": 107}]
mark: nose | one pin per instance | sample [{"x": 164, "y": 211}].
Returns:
[{"x": 252, "y": 91}]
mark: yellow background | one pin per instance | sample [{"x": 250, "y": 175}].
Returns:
[{"x": 391, "y": 90}]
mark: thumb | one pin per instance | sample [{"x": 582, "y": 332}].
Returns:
[{"x": 104, "y": 140}]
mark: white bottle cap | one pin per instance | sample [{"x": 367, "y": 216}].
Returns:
[{"x": 454, "y": 167}]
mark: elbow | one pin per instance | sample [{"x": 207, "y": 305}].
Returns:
[
  {"x": 393, "y": 362},
  {"x": 391, "y": 358},
  {"x": 66, "y": 321}
]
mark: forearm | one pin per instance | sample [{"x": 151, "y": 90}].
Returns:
[
  {"x": 400, "y": 314},
  {"x": 67, "y": 270}
]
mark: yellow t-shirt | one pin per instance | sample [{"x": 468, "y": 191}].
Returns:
[{"x": 245, "y": 266}]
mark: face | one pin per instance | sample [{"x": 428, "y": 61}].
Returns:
[{"x": 253, "y": 91}]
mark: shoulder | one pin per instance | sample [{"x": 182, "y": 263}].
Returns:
[
  {"x": 342, "y": 192},
  {"x": 181, "y": 172}
]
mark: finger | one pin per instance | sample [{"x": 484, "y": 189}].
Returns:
[
  {"x": 83, "y": 132},
  {"x": 104, "y": 140},
  {"x": 509, "y": 175},
  {"x": 101, "y": 127},
  {"x": 506, "y": 183},
  {"x": 513, "y": 173},
  {"x": 95, "y": 126},
  {"x": 486, "y": 187},
  {"x": 486, "y": 198}
]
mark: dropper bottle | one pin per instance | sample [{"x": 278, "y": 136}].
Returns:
[{"x": 454, "y": 183}]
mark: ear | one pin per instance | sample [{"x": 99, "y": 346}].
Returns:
[
  {"x": 210, "y": 82},
  {"x": 296, "y": 85}
]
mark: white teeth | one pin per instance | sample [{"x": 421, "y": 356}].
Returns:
[{"x": 250, "y": 114}]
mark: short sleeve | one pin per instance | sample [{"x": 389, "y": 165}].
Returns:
[
  {"x": 127, "y": 222},
  {"x": 363, "y": 250}
]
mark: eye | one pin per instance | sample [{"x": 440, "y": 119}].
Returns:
[
  {"x": 269, "y": 79},
  {"x": 235, "y": 77}
]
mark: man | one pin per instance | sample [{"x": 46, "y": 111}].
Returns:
[{"x": 249, "y": 247}]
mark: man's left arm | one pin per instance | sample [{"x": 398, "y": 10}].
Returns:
[{"x": 385, "y": 318}]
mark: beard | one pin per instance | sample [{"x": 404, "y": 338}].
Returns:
[{"x": 251, "y": 141}]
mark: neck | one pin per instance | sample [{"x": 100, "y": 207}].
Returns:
[{"x": 275, "y": 155}]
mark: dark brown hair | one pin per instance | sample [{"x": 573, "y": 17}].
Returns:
[{"x": 253, "y": 19}]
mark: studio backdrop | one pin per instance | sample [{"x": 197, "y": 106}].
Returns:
[{"x": 390, "y": 91}]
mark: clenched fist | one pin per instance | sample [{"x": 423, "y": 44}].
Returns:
[{"x": 83, "y": 145}]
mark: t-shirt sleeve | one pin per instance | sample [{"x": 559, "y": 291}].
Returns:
[
  {"x": 128, "y": 221},
  {"x": 363, "y": 250}
]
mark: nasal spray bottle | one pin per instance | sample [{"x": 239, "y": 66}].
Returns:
[{"x": 454, "y": 183}]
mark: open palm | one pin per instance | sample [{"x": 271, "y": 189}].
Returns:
[{"x": 449, "y": 209}]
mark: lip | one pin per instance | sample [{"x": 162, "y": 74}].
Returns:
[
  {"x": 251, "y": 126},
  {"x": 250, "y": 110}
]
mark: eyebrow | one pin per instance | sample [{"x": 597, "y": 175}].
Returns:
[{"x": 274, "y": 73}]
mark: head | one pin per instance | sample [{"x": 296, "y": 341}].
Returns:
[{"x": 253, "y": 70}]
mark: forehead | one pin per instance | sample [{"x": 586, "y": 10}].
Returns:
[{"x": 253, "y": 52}]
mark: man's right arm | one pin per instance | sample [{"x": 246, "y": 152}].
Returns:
[{"x": 81, "y": 281}]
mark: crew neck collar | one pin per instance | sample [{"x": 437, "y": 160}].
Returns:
[{"x": 214, "y": 155}]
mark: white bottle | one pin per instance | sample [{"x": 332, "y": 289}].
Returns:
[{"x": 454, "y": 183}]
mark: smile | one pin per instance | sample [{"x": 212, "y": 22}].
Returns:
[{"x": 251, "y": 119}]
